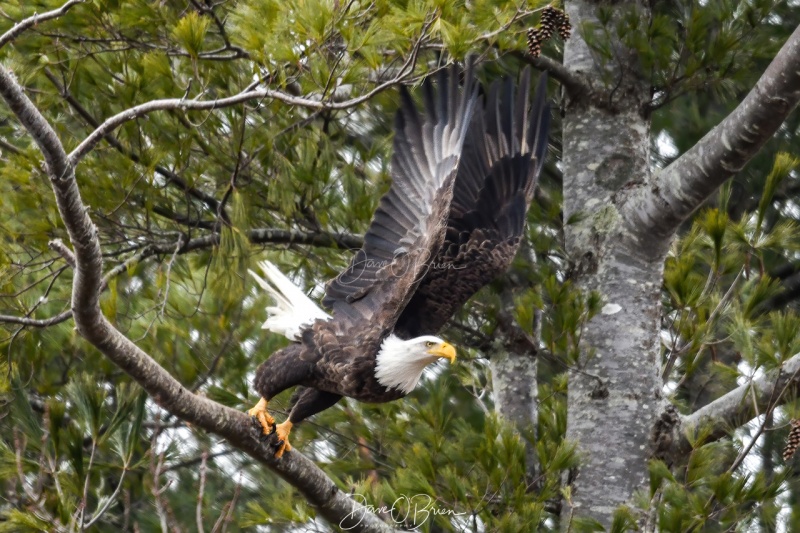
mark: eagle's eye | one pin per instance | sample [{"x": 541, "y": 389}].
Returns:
[{"x": 430, "y": 344}]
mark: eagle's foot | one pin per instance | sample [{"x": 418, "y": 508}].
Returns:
[
  {"x": 259, "y": 412},
  {"x": 282, "y": 431}
]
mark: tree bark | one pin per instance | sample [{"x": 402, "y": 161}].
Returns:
[
  {"x": 615, "y": 395},
  {"x": 336, "y": 506},
  {"x": 618, "y": 246},
  {"x": 515, "y": 388}
]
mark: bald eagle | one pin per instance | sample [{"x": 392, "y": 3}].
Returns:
[{"x": 463, "y": 176}]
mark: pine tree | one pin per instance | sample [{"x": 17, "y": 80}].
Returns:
[{"x": 631, "y": 360}]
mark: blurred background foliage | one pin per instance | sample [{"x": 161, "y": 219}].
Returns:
[{"x": 186, "y": 201}]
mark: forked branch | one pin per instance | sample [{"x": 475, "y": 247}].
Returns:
[
  {"x": 23, "y": 25},
  {"x": 739, "y": 406},
  {"x": 165, "y": 390},
  {"x": 659, "y": 207}
]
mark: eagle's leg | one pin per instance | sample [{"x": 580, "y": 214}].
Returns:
[
  {"x": 284, "y": 369},
  {"x": 259, "y": 411},
  {"x": 309, "y": 402},
  {"x": 282, "y": 430}
]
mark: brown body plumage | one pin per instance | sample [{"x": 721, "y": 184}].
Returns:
[
  {"x": 451, "y": 222},
  {"x": 328, "y": 360}
]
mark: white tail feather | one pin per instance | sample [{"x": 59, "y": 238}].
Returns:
[{"x": 293, "y": 310}]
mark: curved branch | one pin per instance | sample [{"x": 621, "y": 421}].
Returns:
[
  {"x": 168, "y": 175},
  {"x": 576, "y": 87},
  {"x": 165, "y": 390},
  {"x": 684, "y": 185},
  {"x": 36, "y": 322},
  {"x": 741, "y": 405},
  {"x": 245, "y": 96},
  {"x": 23, "y": 25}
]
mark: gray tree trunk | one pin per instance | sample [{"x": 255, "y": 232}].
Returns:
[
  {"x": 618, "y": 247},
  {"x": 615, "y": 397},
  {"x": 515, "y": 387}
]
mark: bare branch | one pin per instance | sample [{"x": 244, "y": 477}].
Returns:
[
  {"x": 36, "y": 322},
  {"x": 165, "y": 390},
  {"x": 321, "y": 239},
  {"x": 519, "y": 14},
  {"x": 171, "y": 177},
  {"x": 23, "y": 25},
  {"x": 348, "y": 241},
  {"x": 576, "y": 87},
  {"x": 742, "y": 404},
  {"x": 679, "y": 189},
  {"x": 58, "y": 246},
  {"x": 245, "y": 96},
  {"x": 199, "y": 509}
]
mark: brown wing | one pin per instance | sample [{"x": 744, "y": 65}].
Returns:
[
  {"x": 503, "y": 155},
  {"x": 409, "y": 224}
]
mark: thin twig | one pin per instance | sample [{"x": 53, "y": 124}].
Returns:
[
  {"x": 23, "y": 25},
  {"x": 200, "y": 490},
  {"x": 246, "y": 96},
  {"x": 85, "y": 499}
]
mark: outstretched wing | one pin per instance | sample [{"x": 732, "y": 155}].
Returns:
[
  {"x": 503, "y": 155},
  {"x": 409, "y": 225}
]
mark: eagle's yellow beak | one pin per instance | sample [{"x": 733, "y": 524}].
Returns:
[{"x": 445, "y": 350}]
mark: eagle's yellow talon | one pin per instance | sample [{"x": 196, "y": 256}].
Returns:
[
  {"x": 282, "y": 431},
  {"x": 259, "y": 411}
]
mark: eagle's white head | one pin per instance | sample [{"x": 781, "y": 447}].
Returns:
[{"x": 400, "y": 363}]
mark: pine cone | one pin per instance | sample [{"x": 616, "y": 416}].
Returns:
[
  {"x": 551, "y": 14},
  {"x": 792, "y": 441},
  {"x": 565, "y": 28},
  {"x": 548, "y": 22},
  {"x": 552, "y": 20},
  {"x": 534, "y": 42},
  {"x": 555, "y": 19}
]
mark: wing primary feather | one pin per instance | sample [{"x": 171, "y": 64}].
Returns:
[
  {"x": 409, "y": 221},
  {"x": 469, "y": 103},
  {"x": 503, "y": 154},
  {"x": 493, "y": 123},
  {"x": 540, "y": 127},
  {"x": 523, "y": 94},
  {"x": 507, "y": 118}
]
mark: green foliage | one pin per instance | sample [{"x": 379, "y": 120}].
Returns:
[
  {"x": 175, "y": 194},
  {"x": 711, "y": 497},
  {"x": 190, "y": 32},
  {"x": 726, "y": 323},
  {"x": 17, "y": 521},
  {"x": 689, "y": 46},
  {"x": 723, "y": 301}
]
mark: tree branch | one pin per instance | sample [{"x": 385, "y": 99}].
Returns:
[
  {"x": 36, "y": 322},
  {"x": 321, "y": 239},
  {"x": 23, "y": 25},
  {"x": 167, "y": 174},
  {"x": 577, "y": 88},
  {"x": 165, "y": 390},
  {"x": 679, "y": 189},
  {"x": 264, "y": 235},
  {"x": 256, "y": 236},
  {"x": 741, "y": 405},
  {"x": 245, "y": 96}
]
